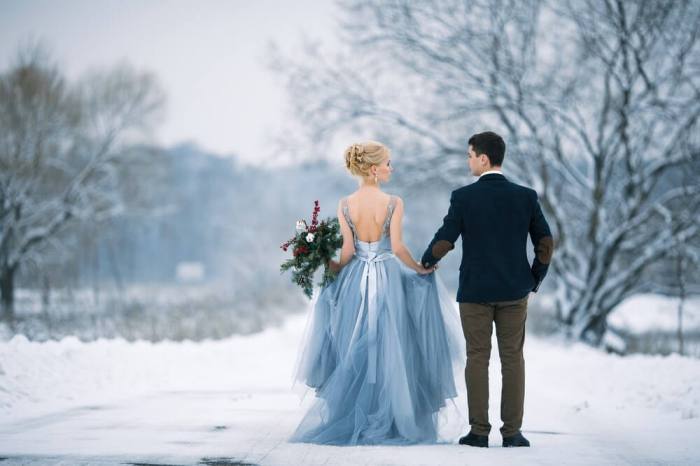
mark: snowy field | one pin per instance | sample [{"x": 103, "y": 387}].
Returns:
[
  {"x": 151, "y": 312},
  {"x": 231, "y": 402}
]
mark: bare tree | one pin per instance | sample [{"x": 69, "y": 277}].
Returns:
[
  {"x": 61, "y": 144},
  {"x": 599, "y": 101}
]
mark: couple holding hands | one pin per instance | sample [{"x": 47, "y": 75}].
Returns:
[{"x": 383, "y": 338}]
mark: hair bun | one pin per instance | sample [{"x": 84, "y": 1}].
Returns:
[
  {"x": 359, "y": 157},
  {"x": 358, "y": 151}
]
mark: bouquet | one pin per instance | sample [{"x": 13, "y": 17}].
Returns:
[{"x": 312, "y": 246}]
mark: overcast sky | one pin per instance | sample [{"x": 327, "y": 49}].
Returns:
[{"x": 209, "y": 56}]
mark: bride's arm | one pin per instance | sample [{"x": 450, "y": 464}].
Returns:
[
  {"x": 397, "y": 245},
  {"x": 348, "y": 249}
]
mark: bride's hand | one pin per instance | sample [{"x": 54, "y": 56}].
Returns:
[
  {"x": 423, "y": 271},
  {"x": 334, "y": 266}
]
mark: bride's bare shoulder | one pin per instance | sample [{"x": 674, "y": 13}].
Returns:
[{"x": 398, "y": 202}]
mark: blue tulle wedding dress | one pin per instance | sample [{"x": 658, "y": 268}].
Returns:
[{"x": 379, "y": 350}]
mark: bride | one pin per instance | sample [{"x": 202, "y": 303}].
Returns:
[{"x": 383, "y": 337}]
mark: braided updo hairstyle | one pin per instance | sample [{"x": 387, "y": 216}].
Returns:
[{"x": 359, "y": 158}]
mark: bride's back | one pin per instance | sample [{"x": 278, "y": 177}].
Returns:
[{"x": 368, "y": 211}]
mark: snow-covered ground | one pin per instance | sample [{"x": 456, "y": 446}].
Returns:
[{"x": 230, "y": 401}]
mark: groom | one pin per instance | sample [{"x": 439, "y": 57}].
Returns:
[{"x": 494, "y": 217}]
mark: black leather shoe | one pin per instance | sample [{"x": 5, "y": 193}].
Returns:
[
  {"x": 516, "y": 440},
  {"x": 475, "y": 440}
]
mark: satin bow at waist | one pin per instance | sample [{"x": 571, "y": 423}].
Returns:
[
  {"x": 372, "y": 257},
  {"x": 368, "y": 294}
]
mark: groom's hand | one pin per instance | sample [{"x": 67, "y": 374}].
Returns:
[{"x": 423, "y": 270}]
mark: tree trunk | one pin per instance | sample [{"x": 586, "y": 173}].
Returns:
[
  {"x": 45, "y": 294},
  {"x": 7, "y": 294},
  {"x": 680, "y": 274},
  {"x": 594, "y": 329}
]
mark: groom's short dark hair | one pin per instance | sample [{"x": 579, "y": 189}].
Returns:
[{"x": 491, "y": 144}]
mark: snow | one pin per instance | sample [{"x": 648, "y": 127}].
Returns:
[{"x": 108, "y": 400}]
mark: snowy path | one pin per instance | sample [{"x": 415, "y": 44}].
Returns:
[{"x": 229, "y": 402}]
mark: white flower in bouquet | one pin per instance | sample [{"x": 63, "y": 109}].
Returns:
[
  {"x": 310, "y": 238},
  {"x": 301, "y": 225}
]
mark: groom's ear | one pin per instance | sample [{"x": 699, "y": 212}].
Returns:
[{"x": 441, "y": 248}]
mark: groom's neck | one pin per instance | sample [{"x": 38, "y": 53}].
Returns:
[{"x": 494, "y": 169}]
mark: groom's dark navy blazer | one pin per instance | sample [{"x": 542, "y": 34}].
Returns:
[{"x": 494, "y": 217}]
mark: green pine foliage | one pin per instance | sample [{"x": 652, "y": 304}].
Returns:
[{"x": 308, "y": 256}]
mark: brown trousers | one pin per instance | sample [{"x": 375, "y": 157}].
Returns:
[{"x": 477, "y": 324}]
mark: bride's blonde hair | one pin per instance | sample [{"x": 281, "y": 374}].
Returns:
[{"x": 360, "y": 157}]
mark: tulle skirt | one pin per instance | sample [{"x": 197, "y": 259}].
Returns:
[{"x": 382, "y": 372}]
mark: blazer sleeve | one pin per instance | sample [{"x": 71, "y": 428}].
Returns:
[
  {"x": 444, "y": 239},
  {"x": 543, "y": 243}
]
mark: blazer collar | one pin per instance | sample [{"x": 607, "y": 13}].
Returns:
[{"x": 491, "y": 177}]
